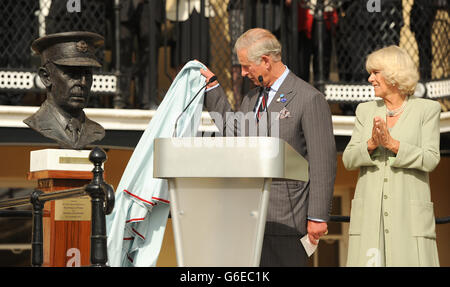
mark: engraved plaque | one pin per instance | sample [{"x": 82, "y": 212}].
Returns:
[
  {"x": 73, "y": 209},
  {"x": 74, "y": 160}
]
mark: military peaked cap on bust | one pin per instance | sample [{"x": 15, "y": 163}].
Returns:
[{"x": 69, "y": 48}]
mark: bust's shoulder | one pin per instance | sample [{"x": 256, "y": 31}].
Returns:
[
  {"x": 31, "y": 121},
  {"x": 42, "y": 117},
  {"x": 94, "y": 128}
]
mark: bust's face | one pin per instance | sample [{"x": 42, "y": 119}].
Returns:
[{"x": 70, "y": 86}]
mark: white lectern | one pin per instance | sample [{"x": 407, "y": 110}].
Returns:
[{"x": 219, "y": 193}]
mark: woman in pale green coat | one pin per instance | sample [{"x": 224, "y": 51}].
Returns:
[{"x": 395, "y": 144}]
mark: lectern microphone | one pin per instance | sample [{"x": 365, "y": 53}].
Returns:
[
  {"x": 261, "y": 89},
  {"x": 212, "y": 79}
]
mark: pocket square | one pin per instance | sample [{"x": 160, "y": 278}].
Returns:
[{"x": 284, "y": 113}]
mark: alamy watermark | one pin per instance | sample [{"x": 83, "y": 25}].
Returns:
[
  {"x": 234, "y": 130},
  {"x": 374, "y": 257},
  {"x": 73, "y": 6},
  {"x": 373, "y": 6}
]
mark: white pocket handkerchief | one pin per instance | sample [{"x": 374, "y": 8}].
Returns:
[{"x": 284, "y": 113}]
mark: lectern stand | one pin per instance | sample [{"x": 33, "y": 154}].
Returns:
[
  {"x": 219, "y": 193},
  {"x": 66, "y": 223}
]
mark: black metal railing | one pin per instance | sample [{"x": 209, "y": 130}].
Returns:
[
  {"x": 102, "y": 200},
  {"x": 16, "y": 213},
  {"x": 336, "y": 33},
  {"x": 342, "y": 218}
]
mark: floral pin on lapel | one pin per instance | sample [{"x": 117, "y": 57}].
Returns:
[
  {"x": 284, "y": 113},
  {"x": 281, "y": 98}
]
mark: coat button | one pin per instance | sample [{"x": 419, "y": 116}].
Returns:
[
  {"x": 385, "y": 196},
  {"x": 386, "y": 214},
  {"x": 386, "y": 231},
  {"x": 385, "y": 179}
]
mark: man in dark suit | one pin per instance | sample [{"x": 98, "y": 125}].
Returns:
[
  {"x": 422, "y": 18},
  {"x": 299, "y": 114},
  {"x": 68, "y": 59},
  {"x": 140, "y": 20}
]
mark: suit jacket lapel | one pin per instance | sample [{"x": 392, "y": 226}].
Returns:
[
  {"x": 252, "y": 100},
  {"x": 286, "y": 89}
]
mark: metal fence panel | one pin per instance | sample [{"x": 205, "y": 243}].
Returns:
[{"x": 352, "y": 30}]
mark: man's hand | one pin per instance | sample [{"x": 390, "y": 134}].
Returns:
[
  {"x": 208, "y": 75},
  {"x": 316, "y": 230}
]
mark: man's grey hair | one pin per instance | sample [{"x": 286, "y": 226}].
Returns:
[{"x": 259, "y": 42}]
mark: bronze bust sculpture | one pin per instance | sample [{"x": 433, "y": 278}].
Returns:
[{"x": 67, "y": 63}]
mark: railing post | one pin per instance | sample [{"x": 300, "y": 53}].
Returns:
[
  {"x": 319, "y": 37},
  {"x": 118, "y": 101},
  {"x": 37, "y": 238},
  {"x": 294, "y": 45},
  {"x": 95, "y": 189}
]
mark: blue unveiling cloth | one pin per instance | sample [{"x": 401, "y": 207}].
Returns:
[{"x": 136, "y": 227}]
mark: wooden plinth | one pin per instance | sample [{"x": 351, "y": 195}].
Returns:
[{"x": 67, "y": 227}]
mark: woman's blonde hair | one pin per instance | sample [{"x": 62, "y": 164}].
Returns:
[
  {"x": 396, "y": 66},
  {"x": 259, "y": 42}
]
